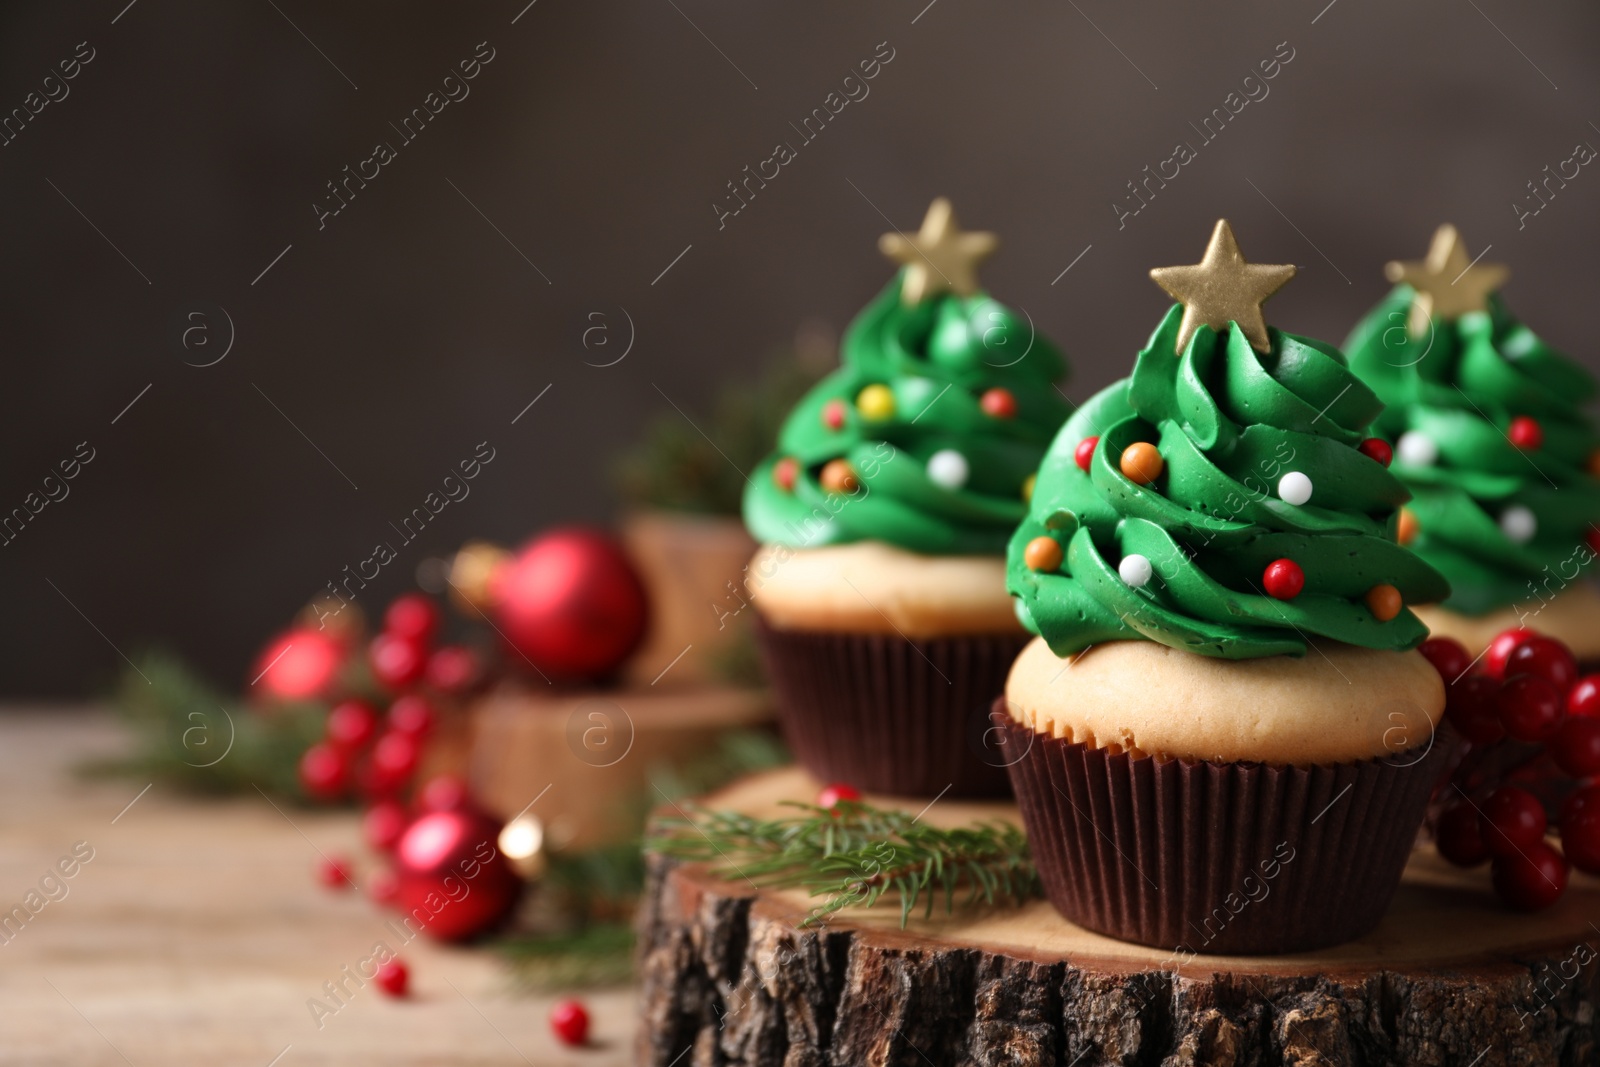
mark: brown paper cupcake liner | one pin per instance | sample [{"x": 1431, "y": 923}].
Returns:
[
  {"x": 886, "y": 714},
  {"x": 1218, "y": 858}
]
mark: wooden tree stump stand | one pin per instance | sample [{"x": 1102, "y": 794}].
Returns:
[{"x": 1450, "y": 977}]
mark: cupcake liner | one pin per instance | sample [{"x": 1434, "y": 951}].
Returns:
[
  {"x": 1218, "y": 858},
  {"x": 888, "y": 714}
]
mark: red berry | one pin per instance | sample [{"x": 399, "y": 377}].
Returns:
[
  {"x": 1085, "y": 452},
  {"x": 414, "y": 617},
  {"x": 1473, "y": 709},
  {"x": 394, "y": 761},
  {"x": 397, "y": 662},
  {"x": 1532, "y": 880},
  {"x": 392, "y": 978},
  {"x": 1525, "y": 433},
  {"x": 1283, "y": 579},
  {"x": 352, "y": 724},
  {"x": 1512, "y": 820},
  {"x": 334, "y": 872},
  {"x": 1576, "y": 748},
  {"x": 1494, "y": 660},
  {"x": 411, "y": 715},
  {"x": 1584, "y": 697},
  {"x": 1586, "y": 798},
  {"x": 452, "y": 668},
  {"x": 570, "y": 1022},
  {"x": 1580, "y": 831},
  {"x": 999, "y": 403},
  {"x": 832, "y": 794},
  {"x": 1448, "y": 656},
  {"x": 383, "y": 887},
  {"x": 1459, "y": 838},
  {"x": 447, "y": 792},
  {"x": 324, "y": 771},
  {"x": 1545, "y": 658},
  {"x": 1376, "y": 449},
  {"x": 1530, "y": 708},
  {"x": 383, "y": 824}
]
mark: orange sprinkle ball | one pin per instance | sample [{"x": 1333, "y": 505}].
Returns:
[
  {"x": 785, "y": 472},
  {"x": 1042, "y": 554},
  {"x": 1142, "y": 463},
  {"x": 1406, "y": 531},
  {"x": 1384, "y": 602},
  {"x": 839, "y": 477}
]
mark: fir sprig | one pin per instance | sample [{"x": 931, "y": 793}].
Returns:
[{"x": 853, "y": 854}]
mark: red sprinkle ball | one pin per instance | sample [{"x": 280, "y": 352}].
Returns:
[
  {"x": 1085, "y": 452},
  {"x": 1376, "y": 449},
  {"x": 998, "y": 403},
  {"x": 833, "y": 414},
  {"x": 570, "y": 1021},
  {"x": 1525, "y": 433},
  {"x": 785, "y": 473},
  {"x": 1283, "y": 579}
]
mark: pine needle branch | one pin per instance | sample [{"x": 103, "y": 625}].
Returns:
[{"x": 855, "y": 854}]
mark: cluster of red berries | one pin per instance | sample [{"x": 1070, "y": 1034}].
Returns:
[
  {"x": 403, "y": 655},
  {"x": 1532, "y": 727}
]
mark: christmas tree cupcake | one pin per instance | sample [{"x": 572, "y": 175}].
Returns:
[
  {"x": 884, "y": 517},
  {"x": 1223, "y": 741},
  {"x": 1491, "y": 439}
]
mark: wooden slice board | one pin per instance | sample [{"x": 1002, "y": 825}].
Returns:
[{"x": 1450, "y": 977}]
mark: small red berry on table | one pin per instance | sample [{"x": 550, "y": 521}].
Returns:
[
  {"x": 1448, "y": 656},
  {"x": 351, "y": 724},
  {"x": 1494, "y": 660},
  {"x": 394, "y": 761},
  {"x": 411, "y": 715},
  {"x": 1472, "y": 707},
  {"x": 1531, "y": 880},
  {"x": 1544, "y": 658},
  {"x": 1283, "y": 579},
  {"x": 397, "y": 662},
  {"x": 414, "y": 617},
  {"x": 1580, "y": 829},
  {"x": 1458, "y": 835},
  {"x": 570, "y": 1021},
  {"x": 452, "y": 668},
  {"x": 1512, "y": 819},
  {"x": 324, "y": 771},
  {"x": 1576, "y": 748},
  {"x": 334, "y": 872},
  {"x": 1584, "y": 697},
  {"x": 1530, "y": 708},
  {"x": 393, "y": 978}
]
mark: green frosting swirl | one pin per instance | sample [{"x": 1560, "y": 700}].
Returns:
[
  {"x": 1229, "y": 423},
  {"x": 938, "y": 358},
  {"x": 1460, "y": 386}
]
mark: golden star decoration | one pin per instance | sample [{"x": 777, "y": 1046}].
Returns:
[
  {"x": 1223, "y": 288},
  {"x": 941, "y": 258},
  {"x": 1447, "y": 283}
]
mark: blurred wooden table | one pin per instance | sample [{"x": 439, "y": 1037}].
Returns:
[{"x": 197, "y": 934}]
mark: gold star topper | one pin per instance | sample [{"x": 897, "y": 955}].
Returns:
[
  {"x": 1223, "y": 288},
  {"x": 1448, "y": 284},
  {"x": 941, "y": 257}
]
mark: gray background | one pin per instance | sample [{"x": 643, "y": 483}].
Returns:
[{"x": 409, "y": 329}]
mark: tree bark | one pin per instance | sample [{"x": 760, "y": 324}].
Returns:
[{"x": 730, "y": 977}]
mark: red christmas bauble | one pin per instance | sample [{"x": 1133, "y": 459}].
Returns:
[
  {"x": 453, "y": 881},
  {"x": 572, "y": 603},
  {"x": 300, "y": 664}
]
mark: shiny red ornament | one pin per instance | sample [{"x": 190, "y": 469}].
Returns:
[
  {"x": 1583, "y": 698},
  {"x": 571, "y": 603},
  {"x": 1511, "y": 820},
  {"x": 1531, "y": 880},
  {"x": 1376, "y": 449},
  {"x": 832, "y": 794},
  {"x": 324, "y": 771},
  {"x": 1084, "y": 453},
  {"x": 570, "y": 1022},
  {"x": 1525, "y": 433},
  {"x": 1530, "y": 708},
  {"x": 397, "y": 662},
  {"x": 453, "y": 668},
  {"x": 1543, "y": 657},
  {"x": 383, "y": 824},
  {"x": 393, "y": 978},
  {"x": 412, "y": 715},
  {"x": 1448, "y": 656},
  {"x": 453, "y": 880},
  {"x": 351, "y": 724},
  {"x": 334, "y": 872},
  {"x": 999, "y": 403},
  {"x": 302, "y": 664},
  {"x": 1472, "y": 707},
  {"x": 414, "y": 616},
  {"x": 1283, "y": 579},
  {"x": 447, "y": 792},
  {"x": 1576, "y": 748},
  {"x": 1459, "y": 838},
  {"x": 1494, "y": 660}
]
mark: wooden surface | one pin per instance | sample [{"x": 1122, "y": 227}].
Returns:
[
  {"x": 196, "y": 935},
  {"x": 1449, "y": 977}
]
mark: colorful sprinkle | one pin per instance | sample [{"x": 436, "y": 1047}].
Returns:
[
  {"x": 1135, "y": 570},
  {"x": 1085, "y": 452},
  {"x": 1027, "y": 488},
  {"x": 1525, "y": 433},
  {"x": 833, "y": 415},
  {"x": 1407, "y": 528},
  {"x": 1518, "y": 524},
  {"x": 785, "y": 473},
  {"x": 1384, "y": 602},
  {"x": 839, "y": 477},
  {"x": 1043, "y": 554},
  {"x": 1142, "y": 463},
  {"x": 1417, "y": 449},
  {"x": 998, "y": 403},
  {"x": 1377, "y": 449},
  {"x": 876, "y": 402},
  {"x": 948, "y": 468},
  {"x": 1283, "y": 579},
  {"x": 1294, "y": 488}
]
